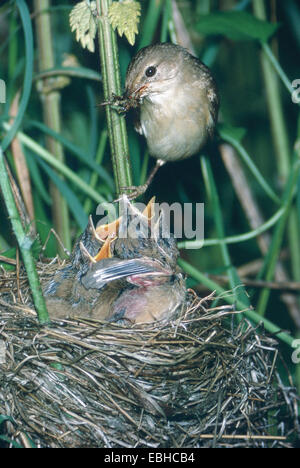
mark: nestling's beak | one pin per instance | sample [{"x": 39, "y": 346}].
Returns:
[
  {"x": 109, "y": 232},
  {"x": 105, "y": 251},
  {"x": 103, "y": 231}
]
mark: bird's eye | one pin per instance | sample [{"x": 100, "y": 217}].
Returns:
[{"x": 150, "y": 71}]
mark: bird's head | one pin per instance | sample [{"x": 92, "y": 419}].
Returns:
[{"x": 153, "y": 70}]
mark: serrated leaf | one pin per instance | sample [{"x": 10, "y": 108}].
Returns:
[
  {"x": 236, "y": 25},
  {"x": 125, "y": 18},
  {"x": 82, "y": 21}
]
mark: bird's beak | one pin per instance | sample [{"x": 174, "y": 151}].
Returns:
[
  {"x": 149, "y": 211},
  {"x": 103, "y": 231},
  {"x": 107, "y": 233},
  {"x": 105, "y": 251},
  {"x": 135, "y": 94}
]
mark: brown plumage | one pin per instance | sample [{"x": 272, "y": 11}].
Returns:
[
  {"x": 177, "y": 99},
  {"x": 114, "y": 277}
]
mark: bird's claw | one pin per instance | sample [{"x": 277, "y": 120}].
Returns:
[{"x": 135, "y": 191}]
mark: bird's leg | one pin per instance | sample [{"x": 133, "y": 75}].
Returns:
[{"x": 136, "y": 191}]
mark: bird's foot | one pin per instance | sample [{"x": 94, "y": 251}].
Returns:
[
  {"x": 137, "y": 191},
  {"x": 134, "y": 191}
]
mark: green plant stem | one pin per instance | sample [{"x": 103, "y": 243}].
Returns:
[
  {"x": 277, "y": 239},
  {"x": 78, "y": 152},
  {"x": 52, "y": 116},
  {"x": 150, "y": 22},
  {"x": 29, "y": 52},
  {"x": 75, "y": 72},
  {"x": 277, "y": 67},
  {"x": 24, "y": 242},
  {"x": 212, "y": 192},
  {"x": 274, "y": 105},
  {"x": 234, "y": 239},
  {"x": 231, "y": 299},
  {"x": 167, "y": 15},
  {"x": 250, "y": 164},
  {"x": 112, "y": 85},
  {"x": 144, "y": 169},
  {"x": 58, "y": 165},
  {"x": 12, "y": 49},
  {"x": 95, "y": 176},
  {"x": 270, "y": 68}
]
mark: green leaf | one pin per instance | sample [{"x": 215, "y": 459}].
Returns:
[
  {"x": 76, "y": 72},
  {"x": 298, "y": 199},
  {"x": 125, "y": 18},
  {"x": 212, "y": 191},
  {"x": 236, "y": 25},
  {"x": 70, "y": 197},
  {"x": 10, "y": 253},
  {"x": 234, "y": 136},
  {"x": 82, "y": 20},
  {"x": 78, "y": 152},
  {"x": 29, "y": 53},
  {"x": 36, "y": 177}
]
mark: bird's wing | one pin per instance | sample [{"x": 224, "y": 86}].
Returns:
[
  {"x": 98, "y": 277},
  {"x": 137, "y": 121}
]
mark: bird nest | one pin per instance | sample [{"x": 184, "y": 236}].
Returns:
[{"x": 199, "y": 381}]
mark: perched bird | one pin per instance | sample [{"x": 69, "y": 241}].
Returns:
[
  {"x": 132, "y": 279},
  {"x": 176, "y": 102}
]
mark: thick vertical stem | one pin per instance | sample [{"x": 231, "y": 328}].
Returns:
[
  {"x": 51, "y": 109},
  {"x": 278, "y": 125},
  {"x": 112, "y": 85},
  {"x": 24, "y": 242}
]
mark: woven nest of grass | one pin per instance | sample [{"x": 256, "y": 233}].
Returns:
[{"x": 196, "y": 382}]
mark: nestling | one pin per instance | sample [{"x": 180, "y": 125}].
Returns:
[
  {"x": 176, "y": 99},
  {"x": 133, "y": 279}
]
